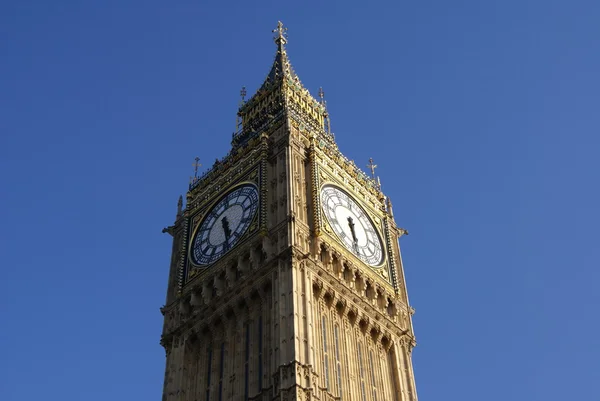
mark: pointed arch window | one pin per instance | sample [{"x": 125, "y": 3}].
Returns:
[
  {"x": 373, "y": 385},
  {"x": 222, "y": 367},
  {"x": 260, "y": 353},
  {"x": 392, "y": 369},
  {"x": 362, "y": 373},
  {"x": 338, "y": 364},
  {"x": 325, "y": 353},
  {"x": 208, "y": 372},
  {"x": 247, "y": 357}
]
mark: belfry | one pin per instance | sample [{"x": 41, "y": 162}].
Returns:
[{"x": 286, "y": 280}]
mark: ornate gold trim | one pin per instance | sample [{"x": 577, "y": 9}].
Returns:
[
  {"x": 380, "y": 234},
  {"x": 209, "y": 207}
]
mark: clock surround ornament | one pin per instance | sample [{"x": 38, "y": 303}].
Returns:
[
  {"x": 352, "y": 225},
  {"x": 224, "y": 224}
]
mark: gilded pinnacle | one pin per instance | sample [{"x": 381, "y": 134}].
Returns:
[
  {"x": 281, "y": 33},
  {"x": 372, "y": 166},
  {"x": 195, "y": 166}
]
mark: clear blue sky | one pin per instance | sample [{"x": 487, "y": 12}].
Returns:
[{"x": 483, "y": 117}]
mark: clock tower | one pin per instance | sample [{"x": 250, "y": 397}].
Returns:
[{"x": 286, "y": 281}]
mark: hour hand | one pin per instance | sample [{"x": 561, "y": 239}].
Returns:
[
  {"x": 354, "y": 239},
  {"x": 226, "y": 229}
]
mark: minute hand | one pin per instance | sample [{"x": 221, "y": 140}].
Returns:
[{"x": 354, "y": 239}]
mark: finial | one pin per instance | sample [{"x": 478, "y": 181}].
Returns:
[
  {"x": 372, "y": 166},
  {"x": 325, "y": 113},
  {"x": 281, "y": 33},
  {"x": 179, "y": 206},
  {"x": 238, "y": 122},
  {"x": 389, "y": 207},
  {"x": 196, "y": 165}
]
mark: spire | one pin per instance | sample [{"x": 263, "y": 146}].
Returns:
[
  {"x": 389, "y": 207},
  {"x": 327, "y": 126},
  {"x": 238, "y": 121},
  {"x": 280, "y": 92},
  {"x": 179, "y": 206},
  {"x": 281, "y": 66}
]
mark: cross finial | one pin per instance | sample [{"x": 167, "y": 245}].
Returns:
[
  {"x": 243, "y": 93},
  {"x": 281, "y": 33},
  {"x": 372, "y": 166},
  {"x": 196, "y": 165},
  {"x": 321, "y": 95}
]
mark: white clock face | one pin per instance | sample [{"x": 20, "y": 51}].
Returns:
[
  {"x": 352, "y": 225},
  {"x": 225, "y": 224}
]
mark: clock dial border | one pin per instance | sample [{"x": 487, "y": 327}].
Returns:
[
  {"x": 376, "y": 230},
  {"x": 200, "y": 218}
]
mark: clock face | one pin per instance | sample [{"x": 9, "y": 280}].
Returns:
[
  {"x": 352, "y": 225},
  {"x": 224, "y": 224}
]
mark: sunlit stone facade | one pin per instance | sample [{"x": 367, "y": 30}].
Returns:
[{"x": 287, "y": 292}]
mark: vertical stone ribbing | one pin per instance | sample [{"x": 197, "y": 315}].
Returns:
[
  {"x": 394, "y": 382},
  {"x": 314, "y": 175},
  {"x": 391, "y": 257},
  {"x": 401, "y": 371},
  {"x": 183, "y": 256},
  {"x": 263, "y": 183},
  {"x": 409, "y": 373},
  {"x": 275, "y": 343}
]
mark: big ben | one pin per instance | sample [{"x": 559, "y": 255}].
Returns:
[{"x": 286, "y": 280}]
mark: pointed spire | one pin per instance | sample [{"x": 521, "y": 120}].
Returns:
[
  {"x": 238, "y": 121},
  {"x": 179, "y": 206},
  {"x": 280, "y": 91},
  {"x": 281, "y": 66},
  {"x": 389, "y": 207},
  {"x": 327, "y": 126}
]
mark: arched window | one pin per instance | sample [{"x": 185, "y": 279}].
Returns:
[
  {"x": 362, "y": 373},
  {"x": 373, "y": 386},
  {"x": 222, "y": 367},
  {"x": 338, "y": 364},
  {"x": 325, "y": 354},
  {"x": 208, "y": 371},
  {"x": 247, "y": 357}
]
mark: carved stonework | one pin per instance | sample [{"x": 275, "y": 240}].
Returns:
[{"x": 288, "y": 312}]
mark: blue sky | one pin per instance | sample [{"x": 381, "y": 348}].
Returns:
[{"x": 482, "y": 116}]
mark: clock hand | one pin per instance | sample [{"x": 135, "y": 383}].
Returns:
[
  {"x": 354, "y": 239},
  {"x": 226, "y": 230}
]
